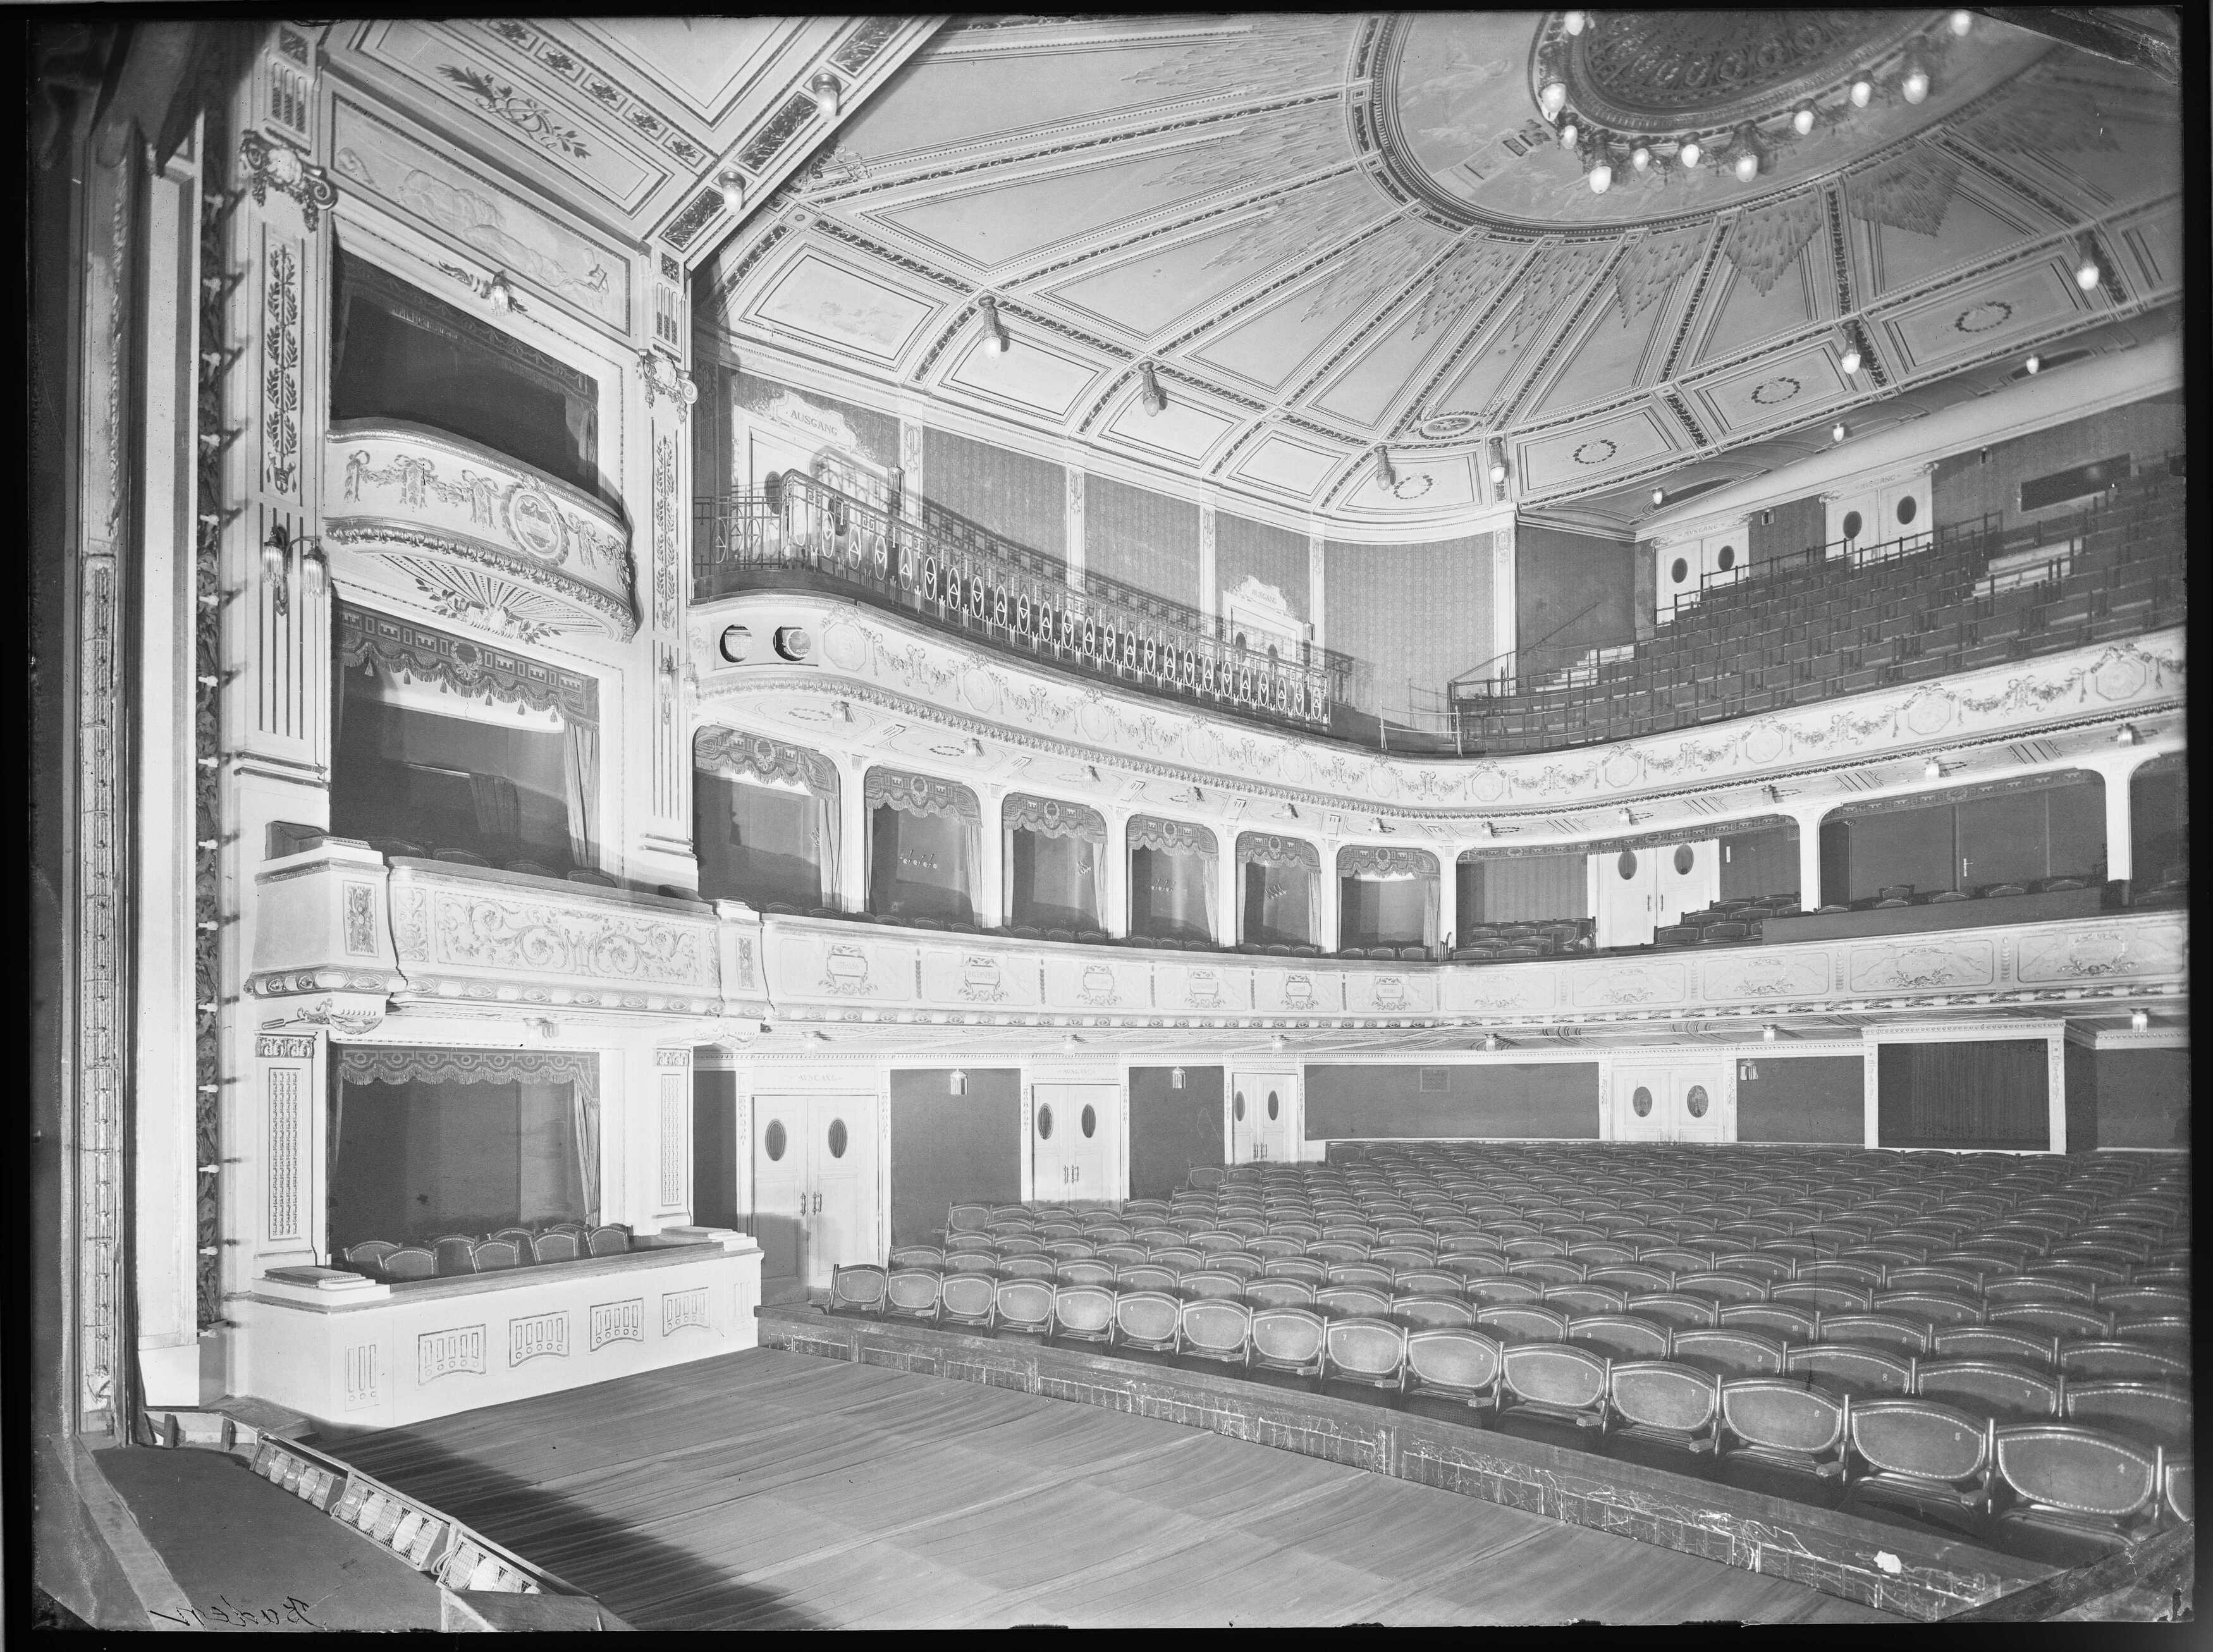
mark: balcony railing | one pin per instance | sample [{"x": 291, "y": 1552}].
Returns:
[{"x": 955, "y": 575}]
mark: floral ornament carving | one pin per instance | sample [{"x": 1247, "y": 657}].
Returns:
[
  {"x": 265, "y": 166},
  {"x": 541, "y": 938},
  {"x": 1914, "y": 969},
  {"x": 281, "y": 383},
  {"x": 664, "y": 533},
  {"x": 660, "y": 376},
  {"x": 519, "y": 109}
]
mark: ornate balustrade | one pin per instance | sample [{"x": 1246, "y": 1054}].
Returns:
[
  {"x": 956, "y": 575},
  {"x": 325, "y": 952},
  {"x": 490, "y": 541}
]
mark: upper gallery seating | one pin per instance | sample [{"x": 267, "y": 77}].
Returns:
[
  {"x": 1807, "y": 627},
  {"x": 522, "y": 1246},
  {"x": 1998, "y": 1345}
]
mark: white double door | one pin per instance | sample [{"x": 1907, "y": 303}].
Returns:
[
  {"x": 1635, "y": 892},
  {"x": 1674, "y": 1101},
  {"x": 1264, "y": 1117},
  {"x": 814, "y": 1186},
  {"x": 1075, "y": 1143}
]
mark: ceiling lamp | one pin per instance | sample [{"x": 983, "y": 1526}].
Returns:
[
  {"x": 1155, "y": 398},
  {"x": 1659, "y": 496},
  {"x": 1497, "y": 465},
  {"x": 1914, "y": 88},
  {"x": 734, "y": 191},
  {"x": 1746, "y": 164},
  {"x": 1384, "y": 476},
  {"x": 1576, "y": 22},
  {"x": 2033, "y": 364},
  {"x": 1838, "y": 432},
  {"x": 1801, "y": 119},
  {"x": 2125, "y": 735},
  {"x": 1849, "y": 361},
  {"x": 1640, "y": 157},
  {"x": 2139, "y": 1020},
  {"x": 1552, "y": 98},
  {"x": 2089, "y": 268},
  {"x": 1689, "y": 154},
  {"x": 1767, "y": 1033},
  {"x": 1932, "y": 770},
  {"x": 1276, "y": 1043},
  {"x": 996, "y": 341},
  {"x": 1571, "y": 134},
  {"x": 1961, "y": 22},
  {"x": 828, "y": 93},
  {"x": 956, "y": 1082},
  {"x": 1601, "y": 172},
  {"x": 1862, "y": 92}
]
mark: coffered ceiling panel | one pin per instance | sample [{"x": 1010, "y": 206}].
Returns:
[{"x": 1333, "y": 231}]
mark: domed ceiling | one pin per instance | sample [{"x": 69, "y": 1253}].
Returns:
[{"x": 1332, "y": 233}]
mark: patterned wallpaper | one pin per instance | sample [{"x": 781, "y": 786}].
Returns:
[
  {"x": 1141, "y": 538},
  {"x": 876, "y": 433},
  {"x": 1797, "y": 525},
  {"x": 1021, "y": 498},
  {"x": 1274, "y": 556},
  {"x": 1966, "y": 485},
  {"x": 1557, "y": 574},
  {"x": 1410, "y": 612}
]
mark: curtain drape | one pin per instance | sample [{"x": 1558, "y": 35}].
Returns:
[
  {"x": 1173, "y": 877},
  {"x": 581, "y": 772},
  {"x": 1053, "y": 863},
  {"x": 1385, "y": 879},
  {"x": 1282, "y": 890},
  {"x": 740, "y": 756}
]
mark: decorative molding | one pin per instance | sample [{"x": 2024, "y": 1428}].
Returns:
[
  {"x": 538, "y": 1335},
  {"x": 445, "y": 1353},
  {"x": 674, "y": 1104},
  {"x": 661, "y": 377},
  {"x": 283, "y": 1163},
  {"x": 664, "y": 531},
  {"x": 622, "y": 1321},
  {"x": 280, "y": 382},
  {"x": 679, "y": 1308},
  {"x": 263, "y": 166}
]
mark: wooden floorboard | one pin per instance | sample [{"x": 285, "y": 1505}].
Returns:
[{"x": 766, "y": 1490}]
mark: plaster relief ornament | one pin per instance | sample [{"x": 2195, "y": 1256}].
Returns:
[{"x": 263, "y": 166}]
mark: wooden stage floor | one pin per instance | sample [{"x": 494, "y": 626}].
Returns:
[{"x": 770, "y": 1490}]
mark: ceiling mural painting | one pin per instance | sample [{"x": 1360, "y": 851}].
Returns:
[{"x": 1640, "y": 245}]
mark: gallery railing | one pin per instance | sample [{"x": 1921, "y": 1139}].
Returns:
[{"x": 955, "y": 575}]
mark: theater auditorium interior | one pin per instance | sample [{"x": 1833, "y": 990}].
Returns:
[{"x": 1110, "y": 819}]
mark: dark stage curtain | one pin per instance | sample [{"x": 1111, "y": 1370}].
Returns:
[{"x": 1982, "y": 1094}]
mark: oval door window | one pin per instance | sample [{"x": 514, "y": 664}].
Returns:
[
  {"x": 1237, "y": 1107},
  {"x": 1272, "y": 1104},
  {"x": 837, "y": 1138},
  {"x": 1627, "y": 864},
  {"x": 1679, "y": 570},
  {"x": 1641, "y": 1103},
  {"x": 773, "y": 1140},
  {"x": 1089, "y": 1121},
  {"x": 1908, "y": 508},
  {"x": 1696, "y": 1101},
  {"x": 1851, "y": 524},
  {"x": 1045, "y": 1122},
  {"x": 1683, "y": 859},
  {"x": 1727, "y": 560}
]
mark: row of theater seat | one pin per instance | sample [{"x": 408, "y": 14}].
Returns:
[
  {"x": 453, "y": 1254},
  {"x": 2086, "y": 1456},
  {"x": 1839, "y": 625}
]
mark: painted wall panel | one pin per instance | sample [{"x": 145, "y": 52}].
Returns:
[
  {"x": 1803, "y": 1098},
  {"x": 1172, "y": 1129},
  {"x": 1487, "y": 1101},
  {"x": 1410, "y": 614},
  {"x": 946, "y": 1149}
]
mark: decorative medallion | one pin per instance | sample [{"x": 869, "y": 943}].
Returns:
[
  {"x": 1773, "y": 392},
  {"x": 534, "y": 523},
  {"x": 1446, "y": 426},
  {"x": 1981, "y": 318},
  {"x": 1597, "y": 451}
]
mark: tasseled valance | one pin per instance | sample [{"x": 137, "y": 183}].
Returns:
[
  {"x": 1265, "y": 848},
  {"x": 726, "y": 751},
  {"x": 1363, "y": 861},
  {"x": 1177, "y": 837},
  {"x": 917, "y": 794},
  {"x": 1050, "y": 818}
]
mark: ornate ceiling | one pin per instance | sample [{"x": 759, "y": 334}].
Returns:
[{"x": 1331, "y": 233}]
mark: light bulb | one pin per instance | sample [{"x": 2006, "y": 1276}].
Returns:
[
  {"x": 1747, "y": 166},
  {"x": 1569, "y": 135},
  {"x": 1862, "y": 91},
  {"x": 2088, "y": 275},
  {"x": 1689, "y": 153},
  {"x": 828, "y": 93},
  {"x": 994, "y": 344},
  {"x": 1659, "y": 496},
  {"x": 1552, "y": 98},
  {"x": 733, "y": 191},
  {"x": 1914, "y": 88},
  {"x": 1641, "y": 158},
  {"x": 1601, "y": 178},
  {"x": 1837, "y": 432},
  {"x": 1574, "y": 22},
  {"x": 1175, "y": 1078},
  {"x": 1801, "y": 119},
  {"x": 2125, "y": 735},
  {"x": 2033, "y": 364},
  {"x": 1497, "y": 473},
  {"x": 1767, "y": 1033},
  {"x": 1932, "y": 770},
  {"x": 2139, "y": 1019},
  {"x": 1849, "y": 361},
  {"x": 1961, "y": 22}
]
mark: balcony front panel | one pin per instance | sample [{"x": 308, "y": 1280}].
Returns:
[
  {"x": 486, "y": 540},
  {"x": 863, "y": 671}
]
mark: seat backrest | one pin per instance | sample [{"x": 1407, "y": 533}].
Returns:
[
  {"x": 2082, "y": 1470},
  {"x": 2020, "y": 1347},
  {"x": 1855, "y": 1370},
  {"x": 369, "y": 1252},
  {"x": 1782, "y": 1415},
  {"x": 2156, "y": 1413},
  {"x": 1632, "y": 1278},
  {"x": 495, "y": 1254},
  {"x": 1415, "y": 1308},
  {"x": 1365, "y": 1346},
  {"x": 455, "y": 1254},
  {"x": 1366, "y": 1302},
  {"x": 1672, "y": 1308},
  {"x": 1025, "y": 1302},
  {"x": 1210, "y": 1281},
  {"x": 964, "y": 1261},
  {"x": 2171, "y": 1329},
  {"x": 1877, "y": 1329},
  {"x": 1089, "y": 1272},
  {"x": 1663, "y": 1394},
  {"x": 1217, "y": 1327},
  {"x": 1149, "y": 1318},
  {"x": 913, "y": 1291},
  {"x": 967, "y": 1295},
  {"x": 410, "y": 1262},
  {"x": 1825, "y": 1298},
  {"x": 1294, "y": 1267},
  {"x": 1147, "y": 1276},
  {"x": 519, "y": 1237},
  {"x": 1933, "y": 1308},
  {"x": 1524, "y": 1322},
  {"x": 1024, "y": 1267},
  {"x": 1730, "y": 1351},
  {"x": 2179, "y": 1492},
  {"x": 1269, "y": 1292},
  {"x": 1554, "y": 1373},
  {"x": 1288, "y": 1338},
  {"x": 2014, "y": 1393},
  {"x": 1361, "y": 1273},
  {"x": 1722, "y": 1286},
  {"x": 1453, "y": 1359},
  {"x": 1586, "y": 1298},
  {"x": 608, "y": 1240},
  {"x": 858, "y": 1285},
  {"x": 1925, "y": 1438},
  {"x": 1084, "y": 1309}
]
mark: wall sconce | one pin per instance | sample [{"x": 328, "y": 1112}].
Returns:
[
  {"x": 1576, "y": 22},
  {"x": 2033, "y": 365},
  {"x": 547, "y": 1027},
  {"x": 828, "y": 93},
  {"x": 2139, "y": 1020},
  {"x": 734, "y": 191},
  {"x": 1385, "y": 475},
  {"x": 1627, "y": 817},
  {"x": 1070, "y": 1045},
  {"x": 1497, "y": 464},
  {"x": 975, "y": 748},
  {"x": 1801, "y": 119},
  {"x": 1932, "y": 770},
  {"x": 1747, "y": 1072},
  {"x": 1490, "y": 829},
  {"x": 1641, "y": 158},
  {"x": 1600, "y": 176},
  {"x": 498, "y": 292},
  {"x": 314, "y": 567},
  {"x": 2125, "y": 735},
  {"x": 1571, "y": 133},
  {"x": 1154, "y": 399},
  {"x": 956, "y": 1082},
  {"x": 1491, "y": 1041},
  {"x": 1774, "y": 793},
  {"x": 1862, "y": 93},
  {"x": 997, "y": 340},
  {"x": 1175, "y": 1078},
  {"x": 1659, "y": 496},
  {"x": 1277, "y": 1043},
  {"x": 1768, "y": 1033},
  {"x": 1838, "y": 432},
  {"x": 277, "y": 566}
]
